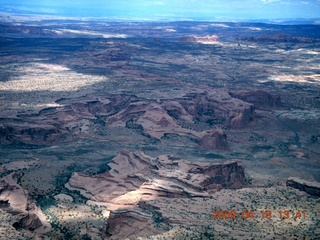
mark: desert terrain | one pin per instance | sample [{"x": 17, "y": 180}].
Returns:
[{"x": 159, "y": 130}]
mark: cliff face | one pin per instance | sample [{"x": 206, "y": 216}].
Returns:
[
  {"x": 228, "y": 175},
  {"x": 312, "y": 188}
]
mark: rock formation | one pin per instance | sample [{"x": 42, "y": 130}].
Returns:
[
  {"x": 14, "y": 200},
  {"x": 30, "y": 222},
  {"x": 152, "y": 118},
  {"x": 214, "y": 139},
  {"x": 18, "y": 131},
  {"x": 133, "y": 223},
  {"x": 312, "y": 188},
  {"x": 259, "y": 98},
  {"x": 218, "y": 107},
  {"x": 58, "y": 124},
  {"x": 135, "y": 177},
  {"x": 239, "y": 119}
]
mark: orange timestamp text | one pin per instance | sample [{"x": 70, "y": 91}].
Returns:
[{"x": 263, "y": 214}]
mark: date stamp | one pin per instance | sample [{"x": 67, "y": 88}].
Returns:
[{"x": 263, "y": 214}]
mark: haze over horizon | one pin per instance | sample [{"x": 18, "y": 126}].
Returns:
[{"x": 168, "y": 9}]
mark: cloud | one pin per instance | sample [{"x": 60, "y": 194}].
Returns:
[
  {"x": 269, "y": 1},
  {"x": 28, "y": 9},
  {"x": 159, "y": 3}
]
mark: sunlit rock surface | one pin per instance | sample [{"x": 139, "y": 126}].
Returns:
[
  {"x": 15, "y": 200},
  {"x": 135, "y": 176}
]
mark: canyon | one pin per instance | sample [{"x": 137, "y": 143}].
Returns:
[{"x": 143, "y": 130}]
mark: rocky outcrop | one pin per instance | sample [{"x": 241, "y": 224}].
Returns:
[
  {"x": 259, "y": 98},
  {"x": 239, "y": 119},
  {"x": 227, "y": 175},
  {"x": 14, "y": 200},
  {"x": 218, "y": 107},
  {"x": 23, "y": 132},
  {"x": 30, "y": 222},
  {"x": 133, "y": 223},
  {"x": 312, "y": 188},
  {"x": 214, "y": 139},
  {"x": 136, "y": 177}
]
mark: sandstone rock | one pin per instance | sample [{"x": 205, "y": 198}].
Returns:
[
  {"x": 239, "y": 119},
  {"x": 29, "y": 222},
  {"x": 133, "y": 223},
  {"x": 136, "y": 177},
  {"x": 14, "y": 200},
  {"x": 214, "y": 139},
  {"x": 218, "y": 107},
  {"x": 312, "y": 188},
  {"x": 58, "y": 124},
  {"x": 74, "y": 117},
  {"x": 260, "y": 98},
  {"x": 177, "y": 111},
  {"x": 227, "y": 175}
]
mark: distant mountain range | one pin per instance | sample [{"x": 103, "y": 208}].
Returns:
[{"x": 18, "y": 12}]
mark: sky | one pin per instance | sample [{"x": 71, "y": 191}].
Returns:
[{"x": 168, "y": 9}]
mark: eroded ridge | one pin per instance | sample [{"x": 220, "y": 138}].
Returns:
[
  {"x": 136, "y": 178},
  {"x": 73, "y": 118}
]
